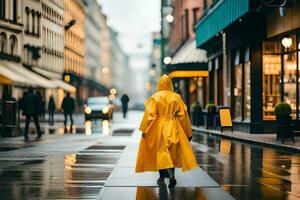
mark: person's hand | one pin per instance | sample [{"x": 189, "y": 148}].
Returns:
[
  {"x": 190, "y": 138},
  {"x": 143, "y": 135}
]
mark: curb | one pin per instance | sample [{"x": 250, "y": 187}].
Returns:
[{"x": 283, "y": 147}]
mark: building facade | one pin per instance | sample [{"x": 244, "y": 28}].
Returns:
[
  {"x": 11, "y": 39},
  {"x": 184, "y": 63},
  {"x": 105, "y": 52},
  {"x": 32, "y": 37},
  {"x": 74, "y": 36},
  {"x": 256, "y": 71},
  {"x": 92, "y": 59}
]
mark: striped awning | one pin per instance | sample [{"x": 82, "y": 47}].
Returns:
[{"x": 189, "y": 53}]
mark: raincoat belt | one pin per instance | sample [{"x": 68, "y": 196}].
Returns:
[{"x": 167, "y": 117}]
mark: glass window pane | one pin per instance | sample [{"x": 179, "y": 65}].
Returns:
[
  {"x": 289, "y": 81},
  {"x": 238, "y": 91},
  {"x": 271, "y": 84},
  {"x": 247, "y": 95},
  {"x": 271, "y": 47}
]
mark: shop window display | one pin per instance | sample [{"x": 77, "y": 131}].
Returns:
[
  {"x": 271, "y": 84},
  {"x": 280, "y": 73}
]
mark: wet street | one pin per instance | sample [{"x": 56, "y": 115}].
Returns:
[
  {"x": 78, "y": 165},
  {"x": 248, "y": 171}
]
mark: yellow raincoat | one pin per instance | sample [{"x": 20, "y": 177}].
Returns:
[{"x": 167, "y": 127}]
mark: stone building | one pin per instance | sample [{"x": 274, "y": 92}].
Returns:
[
  {"x": 74, "y": 36},
  {"x": 11, "y": 42}
]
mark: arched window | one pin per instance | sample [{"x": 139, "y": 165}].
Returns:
[
  {"x": 3, "y": 43},
  {"x": 13, "y": 42}
]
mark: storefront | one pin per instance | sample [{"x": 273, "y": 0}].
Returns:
[
  {"x": 253, "y": 61},
  {"x": 188, "y": 70}
]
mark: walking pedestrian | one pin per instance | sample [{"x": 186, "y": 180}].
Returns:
[
  {"x": 31, "y": 110},
  {"x": 124, "y": 100},
  {"x": 166, "y": 132},
  {"x": 41, "y": 105},
  {"x": 68, "y": 106},
  {"x": 51, "y": 109}
]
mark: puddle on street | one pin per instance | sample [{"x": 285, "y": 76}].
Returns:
[
  {"x": 249, "y": 171},
  {"x": 74, "y": 176}
]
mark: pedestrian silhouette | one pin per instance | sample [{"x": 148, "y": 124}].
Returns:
[
  {"x": 41, "y": 105},
  {"x": 124, "y": 100},
  {"x": 51, "y": 109},
  {"x": 31, "y": 110},
  {"x": 68, "y": 106},
  {"x": 166, "y": 131}
]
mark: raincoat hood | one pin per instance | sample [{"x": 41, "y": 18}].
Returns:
[{"x": 165, "y": 83}]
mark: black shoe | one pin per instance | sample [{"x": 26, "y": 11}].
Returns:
[
  {"x": 172, "y": 183},
  {"x": 160, "y": 181}
]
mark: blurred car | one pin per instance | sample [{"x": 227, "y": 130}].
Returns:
[{"x": 98, "y": 108}]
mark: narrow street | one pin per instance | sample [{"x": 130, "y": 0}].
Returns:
[{"x": 90, "y": 164}]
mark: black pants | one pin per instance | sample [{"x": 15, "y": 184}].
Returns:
[
  {"x": 166, "y": 173},
  {"x": 66, "y": 119},
  {"x": 36, "y": 122},
  {"x": 51, "y": 117},
  {"x": 125, "y": 109}
]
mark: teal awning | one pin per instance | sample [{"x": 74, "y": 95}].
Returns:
[{"x": 222, "y": 14}]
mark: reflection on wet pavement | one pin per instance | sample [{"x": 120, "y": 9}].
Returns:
[
  {"x": 249, "y": 171},
  {"x": 73, "y": 176}
]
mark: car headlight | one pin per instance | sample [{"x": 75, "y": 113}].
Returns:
[
  {"x": 105, "y": 110},
  {"x": 88, "y": 110}
]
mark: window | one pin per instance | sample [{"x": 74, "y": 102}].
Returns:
[
  {"x": 2, "y": 9},
  {"x": 289, "y": 80},
  {"x": 186, "y": 15},
  {"x": 195, "y": 16},
  {"x": 3, "y": 43},
  {"x": 27, "y": 19},
  {"x": 237, "y": 91},
  {"x": 280, "y": 80},
  {"x": 13, "y": 45},
  {"x": 33, "y": 21},
  {"x": 15, "y": 10},
  {"x": 247, "y": 89}
]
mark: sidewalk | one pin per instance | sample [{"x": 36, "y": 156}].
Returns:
[
  {"x": 123, "y": 183},
  {"x": 268, "y": 140}
]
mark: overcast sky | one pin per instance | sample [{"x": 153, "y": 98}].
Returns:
[{"x": 134, "y": 20}]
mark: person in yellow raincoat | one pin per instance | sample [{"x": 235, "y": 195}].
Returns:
[{"x": 166, "y": 132}]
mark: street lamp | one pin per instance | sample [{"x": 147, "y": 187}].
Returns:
[
  {"x": 287, "y": 42},
  {"x": 169, "y": 18},
  {"x": 167, "y": 60}
]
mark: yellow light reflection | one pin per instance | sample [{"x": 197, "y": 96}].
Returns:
[
  {"x": 225, "y": 146},
  {"x": 88, "y": 127},
  {"x": 106, "y": 127},
  {"x": 70, "y": 160}
]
